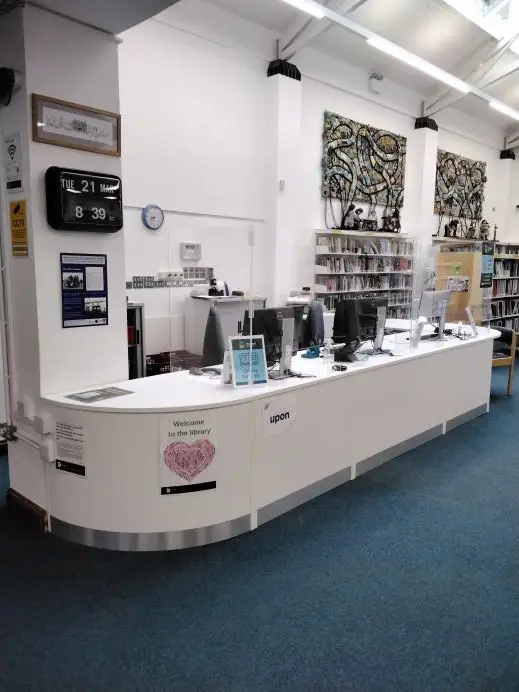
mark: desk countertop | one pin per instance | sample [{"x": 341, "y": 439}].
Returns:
[{"x": 184, "y": 392}]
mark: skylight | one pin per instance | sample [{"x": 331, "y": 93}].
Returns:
[{"x": 499, "y": 18}]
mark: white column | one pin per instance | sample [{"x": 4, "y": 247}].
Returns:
[
  {"x": 420, "y": 179},
  {"x": 503, "y": 211},
  {"x": 62, "y": 59},
  {"x": 418, "y": 218},
  {"x": 283, "y": 201}
]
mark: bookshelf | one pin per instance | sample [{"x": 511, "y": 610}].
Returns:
[
  {"x": 505, "y": 289},
  {"x": 503, "y": 298},
  {"x": 360, "y": 264}
]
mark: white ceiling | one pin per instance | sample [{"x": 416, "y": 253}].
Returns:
[
  {"x": 429, "y": 28},
  {"x": 113, "y": 16}
]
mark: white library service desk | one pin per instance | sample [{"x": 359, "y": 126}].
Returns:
[{"x": 245, "y": 456}]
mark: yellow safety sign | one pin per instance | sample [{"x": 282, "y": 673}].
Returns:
[{"x": 19, "y": 231}]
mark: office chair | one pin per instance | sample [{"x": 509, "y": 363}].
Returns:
[
  {"x": 503, "y": 355},
  {"x": 214, "y": 342}
]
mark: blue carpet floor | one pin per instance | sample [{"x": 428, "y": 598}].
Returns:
[{"x": 406, "y": 579}]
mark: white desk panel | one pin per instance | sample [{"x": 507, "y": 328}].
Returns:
[{"x": 339, "y": 425}]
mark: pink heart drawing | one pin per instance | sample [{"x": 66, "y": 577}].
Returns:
[{"x": 189, "y": 460}]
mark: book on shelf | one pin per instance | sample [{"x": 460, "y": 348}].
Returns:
[
  {"x": 336, "y": 244},
  {"x": 511, "y": 323},
  {"x": 350, "y": 264},
  {"x": 356, "y": 283},
  {"x": 506, "y": 249},
  {"x": 507, "y": 307},
  {"x": 505, "y": 287},
  {"x": 399, "y": 302},
  {"x": 505, "y": 269}
]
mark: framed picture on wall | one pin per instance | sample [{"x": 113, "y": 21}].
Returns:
[{"x": 72, "y": 125}]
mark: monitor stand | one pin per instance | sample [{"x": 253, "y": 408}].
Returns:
[
  {"x": 287, "y": 345},
  {"x": 377, "y": 349},
  {"x": 346, "y": 353}
]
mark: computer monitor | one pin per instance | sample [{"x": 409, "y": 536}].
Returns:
[
  {"x": 269, "y": 322},
  {"x": 297, "y": 313},
  {"x": 346, "y": 326},
  {"x": 372, "y": 317},
  {"x": 434, "y": 304}
]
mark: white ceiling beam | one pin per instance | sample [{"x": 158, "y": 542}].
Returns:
[
  {"x": 305, "y": 30},
  {"x": 466, "y": 66},
  {"x": 414, "y": 60},
  {"x": 505, "y": 72},
  {"x": 512, "y": 140},
  {"x": 476, "y": 76}
]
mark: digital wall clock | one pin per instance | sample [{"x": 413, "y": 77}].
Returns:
[
  {"x": 152, "y": 217},
  {"x": 83, "y": 200}
]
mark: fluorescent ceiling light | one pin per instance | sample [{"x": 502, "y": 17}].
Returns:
[
  {"x": 420, "y": 64},
  {"x": 308, "y": 6},
  {"x": 511, "y": 112}
]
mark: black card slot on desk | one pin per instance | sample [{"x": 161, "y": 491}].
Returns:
[{"x": 136, "y": 355}]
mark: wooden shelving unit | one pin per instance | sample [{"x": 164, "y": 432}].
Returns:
[
  {"x": 503, "y": 299},
  {"x": 360, "y": 264}
]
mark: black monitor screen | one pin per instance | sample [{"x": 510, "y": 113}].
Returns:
[
  {"x": 269, "y": 322},
  {"x": 368, "y": 316},
  {"x": 346, "y": 327}
]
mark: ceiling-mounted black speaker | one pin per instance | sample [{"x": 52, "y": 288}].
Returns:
[{"x": 8, "y": 79}]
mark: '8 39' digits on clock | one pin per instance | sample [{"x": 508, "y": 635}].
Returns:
[{"x": 83, "y": 201}]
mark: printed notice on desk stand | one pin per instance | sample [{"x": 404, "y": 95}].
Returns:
[
  {"x": 94, "y": 395},
  {"x": 70, "y": 448},
  {"x": 84, "y": 290},
  {"x": 248, "y": 361},
  {"x": 487, "y": 264},
  {"x": 188, "y": 453}
]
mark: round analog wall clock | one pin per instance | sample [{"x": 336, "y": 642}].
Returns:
[{"x": 152, "y": 217}]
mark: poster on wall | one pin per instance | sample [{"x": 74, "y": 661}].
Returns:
[
  {"x": 458, "y": 284},
  {"x": 19, "y": 228},
  {"x": 70, "y": 448},
  {"x": 188, "y": 453},
  {"x": 460, "y": 186},
  {"x": 84, "y": 290},
  {"x": 13, "y": 163},
  {"x": 362, "y": 163},
  {"x": 487, "y": 265}
]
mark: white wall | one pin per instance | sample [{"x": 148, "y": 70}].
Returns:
[
  {"x": 20, "y": 279},
  {"x": 202, "y": 157},
  {"x": 194, "y": 143},
  {"x": 79, "y": 65}
]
